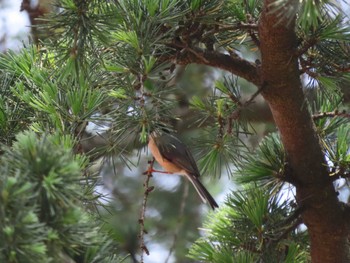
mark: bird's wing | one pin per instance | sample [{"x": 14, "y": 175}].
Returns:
[{"x": 175, "y": 151}]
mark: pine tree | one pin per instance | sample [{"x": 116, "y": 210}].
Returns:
[{"x": 116, "y": 65}]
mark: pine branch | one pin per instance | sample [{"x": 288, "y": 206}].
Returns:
[
  {"x": 236, "y": 113},
  {"x": 306, "y": 66},
  {"x": 285, "y": 233},
  {"x": 332, "y": 114},
  {"x": 339, "y": 68},
  {"x": 250, "y": 27},
  {"x": 307, "y": 44},
  {"x": 341, "y": 173},
  {"x": 148, "y": 189},
  {"x": 252, "y": 32},
  {"x": 234, "y": 64}
]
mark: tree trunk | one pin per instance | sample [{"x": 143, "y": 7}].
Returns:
[{"x": 323, "y": 214}]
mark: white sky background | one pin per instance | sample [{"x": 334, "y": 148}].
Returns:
[{"x": 14, "y": 25}]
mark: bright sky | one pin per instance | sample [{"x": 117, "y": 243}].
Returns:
[{"x": 14, "y": 30}]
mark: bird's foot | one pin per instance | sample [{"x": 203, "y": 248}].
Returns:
[
  {"x": 151, "y": 170},
  {"x": 162, "y": 172}
]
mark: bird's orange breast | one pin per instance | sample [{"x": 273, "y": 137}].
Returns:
[{"x": 166, "y": 164}]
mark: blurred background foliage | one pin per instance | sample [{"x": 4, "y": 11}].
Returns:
[{"x": 97, "y": 78}]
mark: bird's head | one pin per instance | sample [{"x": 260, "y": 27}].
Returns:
[{"x": 160, "y": 129}]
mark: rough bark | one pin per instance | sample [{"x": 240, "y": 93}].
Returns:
[{"x": 323, "y": 213}]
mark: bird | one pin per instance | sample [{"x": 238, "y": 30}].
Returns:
[{"x": 175, "y": 158}]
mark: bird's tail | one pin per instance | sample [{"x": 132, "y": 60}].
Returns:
[{"x": 202, "y": 191}]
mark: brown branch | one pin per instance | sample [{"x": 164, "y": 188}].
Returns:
[
  {"x": 252, "y": 98},
  {"x": 331, "y": 115},
  {"x": 298, "y": 220},
  {"x": 305, "y": 47},
  {"x": 341, "y": 68},
  {"x": 306, "y": 66},
  {"x": 254, "y": 38},
  {"x": 197, "y": 55},
  {"x": 148, "y": 189},
  {"x": 296, "y": 214},
  {"x": 341, "y": 173},
  {"x": 286, "y": 232},
  {"x": 236, "y": 113},
  {"x": 252, "y": 32},
  {"x": 226, "y": 28},
  {"x": 242, "y": 26},
  {"x": 236, "y": 65}
]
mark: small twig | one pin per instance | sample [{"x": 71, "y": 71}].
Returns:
[
  {"x": 305, "y": 46},
  {"x": 179, "y": 219},
  {"x": 332, "y": 114},
  {"x": 254, "y": 38},
  {"x": 251, "y": 32},
  {"x": 185, "y": 47},
  {"x": 240, "y": 26},
  {"x": 197, "y": 55},
  {"x": 298, "y": 220},
  {"x": 341, "y": 68},
  {"x": 306, "y": 67},
  {"x": 296, "y": 214},
  {"x": 310, "y": 73},
  {"x": 148, "y": 189},
  {"x": 340, "y": 173},
  {"x": 288, "y": 230},
  {"x": 254, "y": 95},
  {"x": 280, "y": 237},
  {"x": 236, "y": 112}
]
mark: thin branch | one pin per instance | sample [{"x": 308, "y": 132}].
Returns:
[
  {"x": 340, "y": 173},
  {"x": 234, "y": 64},
  {"x": 226, "y": 28},
  {"x": 298, "y": 220},
  {"x": 242, "y": 26},
  {"x": 179, "y": 219},
  {"x": 306, "y": 67},
  {"x": 236, "y": 112},
  {"x": 148, "y": 189},
  {"x": 252, "y": 32},
  {"x": 295, "y": 215},
  {"x": 252, "y": 98},
  {"x": 254, "y": 38},
  {"x": 340, "y": 68},
  {"x": 288, "y": 230},
  {"x": 305, "y": 46},
  {"x": 197, "y": 55},
  {"x": 332, "y": 114},
  {"x": 280, "y": 237}
]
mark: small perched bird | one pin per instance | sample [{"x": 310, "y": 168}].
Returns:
[{"x": 173, "y": 155}]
